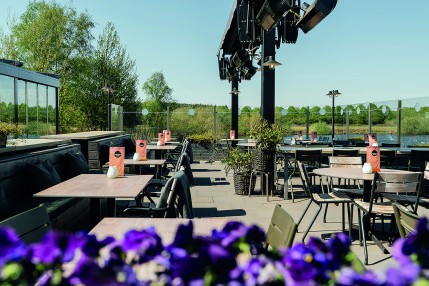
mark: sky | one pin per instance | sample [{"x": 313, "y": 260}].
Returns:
[{"x": 370, "y": 51}]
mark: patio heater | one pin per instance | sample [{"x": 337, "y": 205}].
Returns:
[
  {"x": 332, "y": 94},
  {"x": 109, "y": 90}
]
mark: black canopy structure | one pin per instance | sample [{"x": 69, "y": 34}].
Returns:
[{"x": 265, "y": 25}]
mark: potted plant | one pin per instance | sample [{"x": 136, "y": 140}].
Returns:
[
  {"x": 7, "y": 129},
  {"x": 267, "y": 137},
  {"x": 240, "y": 162}
]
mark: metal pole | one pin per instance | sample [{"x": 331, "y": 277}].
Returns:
[
  {"x": 268, "y": 77},
  {"x": 307, "y": 119},
  {"x": 234, "y": 108},
  {"x": 369, "y": 118},
  {"x": 333, "y": 118},
  {"x": 168, "y": 117},
  {"x": 347, "y": 122},
  {"x": 214, "y": 122},
  {"x": 109, "y": 112},
  {"x": 398, "y": 118}
]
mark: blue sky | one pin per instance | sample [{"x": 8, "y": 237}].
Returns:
[{"x": 369, "y": 50}]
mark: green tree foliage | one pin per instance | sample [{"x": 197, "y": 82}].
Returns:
[{"x": 159, "y": 96}]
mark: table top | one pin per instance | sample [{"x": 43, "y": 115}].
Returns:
[
  {"x": 351, "y": 173},
  {"x": 28, "y": 144},
  {"x": 251, "y": 144},
  {"x": 84, "y": 135},
  {"x": 146, "y": 162},
  {"x": 97, "y": 186},
  {"x": 165, "y": 227},
  {"x": 161, "y": 147},
  {"x": 228, "y": 139}
]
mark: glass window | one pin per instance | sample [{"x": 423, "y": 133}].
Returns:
[
  {"x": 22, "y": 105},
  {"x": 51, "y": 111},
  {"x": 7, "y": 100},
  {"x": 32, "y": 128},
  {"x": 43, "y": 112}
]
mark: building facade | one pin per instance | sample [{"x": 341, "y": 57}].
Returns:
[{"x": 29, "y": 99}]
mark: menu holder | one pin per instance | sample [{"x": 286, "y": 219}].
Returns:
[
  {"x": 116, "y": 158},
  {"x": 141, "y": 149},
  {"x": 299, "y": 135},
  {"x": 313, "y": 136},
  {"x": 373, "y": 157},
  {"x": 161, "y": 139},
  {"x": 371, "y": 138},
  {"x": 231, "y": 134}
]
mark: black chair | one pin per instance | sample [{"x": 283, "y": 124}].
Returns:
[
  {"x": 174, "y": 201},
  {"x": 388, "y": 159},
  {"x": 418, "y": 159},
  {"x": 385, "y": 183},
  {"x": 390, "y": 145},
  {"x": 321, "y": 199},
  {"x": 345, "y": 152},
  {"x": 30, "y": 225}
]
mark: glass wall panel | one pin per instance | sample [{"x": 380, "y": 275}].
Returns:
[
  {"x": 51, "y": 129},
  {"x": 384, "y": 121},
  {"x": 33, "y": 128},
  {"x": 43, "y": 112},
  {"x": 22, "y": 106},
  {"x": 7, "y": 100},
  {"x": 415, "y": 122}
]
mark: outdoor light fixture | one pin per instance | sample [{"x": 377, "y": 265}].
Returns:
[
  {"x": 234, "y": 91},
  {"x": 332, "y": 94},
  {"x": 248, "y": 71},
  {"x": 315, "y": 13},
  {"x": 271, "y": 63},
  {"x": 271, "y": 13},
  {"x": 240, "y": 58},
  {"x": 231, "y": 72}
]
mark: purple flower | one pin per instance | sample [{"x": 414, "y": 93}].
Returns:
[
  {"x": 184, "y": 235},
  {"x": 11, "y": 248},
  {"x": 349, "y": 277},
  {"x": 92, "y": 245},
  {"x": 88, "y": 272},
  {"x": 339, "y": 247},
  {"x": 405, "y": 275},
  {"x": 55, "y": 247},
  {"x": 298, "y": 262},
  {"x": 146, "y": 243}
]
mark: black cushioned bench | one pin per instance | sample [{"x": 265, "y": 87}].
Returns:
[
  {"x": 18, "y": 183},
  {"x": 98, "y": 150}
]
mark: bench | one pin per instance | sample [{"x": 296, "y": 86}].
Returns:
[
  {"x": 17, "y": 186},
  {"x": 98, "y": 150}
]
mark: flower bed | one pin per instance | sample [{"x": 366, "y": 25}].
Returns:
[{"x": 223, "y": 258}]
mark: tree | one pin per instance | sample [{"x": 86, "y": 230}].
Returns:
[
  {"x": 158, "y": 98},
  {"x": 110, "y": 66}
]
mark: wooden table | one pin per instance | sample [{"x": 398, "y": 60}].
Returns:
[
  {"x": 157, "y": 162},
  {"x": 96, "y": 187},
  {"x": 160, "y": 148},
  {"x": 354, "y": 174},
  {"x": 165, "y": 227}
]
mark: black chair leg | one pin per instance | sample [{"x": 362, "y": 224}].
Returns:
[
  {"x": 360, "y": 227},
  {"x": 365, "y": 250},
  {"x": 303, "y": 213},
  {"x": 324, "y": 215},
  {"x": 312, "y": 222}
]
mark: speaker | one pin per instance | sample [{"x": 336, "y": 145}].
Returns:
[
  {"x": 315, "y": 13},
  {"x": 222, "y": 68},
  {"x": 240, "y": 58},
  {"x": 271, "y": 12}
]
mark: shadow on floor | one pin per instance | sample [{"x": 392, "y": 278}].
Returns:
[
  {"x": 207, "y": 181},
  {"x": 214, "y": 212},
  {"x": 206, "y": 170}
]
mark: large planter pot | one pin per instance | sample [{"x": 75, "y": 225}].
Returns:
[
  {"x": 242, "y": 183},
  {"x": 2, "y": 142},
  {"x": 263, "y": 160}
]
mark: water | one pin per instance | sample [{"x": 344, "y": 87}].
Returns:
[{"x": 406, "y": 140}]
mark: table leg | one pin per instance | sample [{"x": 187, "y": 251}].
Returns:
[
  {"x": 286, "y": 178},
  {"x": 95, "y": 211},
  {"x": 111, "y": 207}
]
